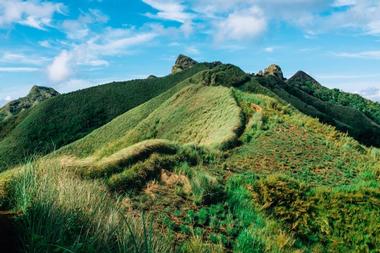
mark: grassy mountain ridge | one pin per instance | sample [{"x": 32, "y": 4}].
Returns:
[
  {"x": 345, "y": 117},
  {"x": 221, "y": 161},
  {"x": 66, "y": 118},
  {"x": 311, "y": 86},
  {"x": 118, "y": 130}
]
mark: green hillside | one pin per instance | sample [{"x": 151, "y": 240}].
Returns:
[
  {"x": 312, "y": 87},
  {"x": 220, "y": 161},
  {"x": 66, "y": 118},
  {"x": 347, "y": 112}
]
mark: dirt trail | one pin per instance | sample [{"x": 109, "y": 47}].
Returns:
[{"x": 8, "y": 236}]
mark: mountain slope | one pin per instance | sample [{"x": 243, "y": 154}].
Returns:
[
  {"x": 66, "y": 118},
  {"x": 15, "y": 111},
  {"x": 309, "y": 85},
  {"x": 36, "y": 95},
  {"x": 302, "y": 91}
]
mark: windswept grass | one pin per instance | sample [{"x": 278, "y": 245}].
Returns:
[
  {"x": 61, "y": 213},
  {"x": 197, "y": 114},
  {"x": 187, "y": 113},
  {"x": 90, "y": 167}
]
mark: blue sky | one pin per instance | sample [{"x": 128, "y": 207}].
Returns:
[{"x": 74, "y": 44}]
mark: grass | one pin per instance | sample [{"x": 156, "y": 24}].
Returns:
[
  {"x": 197, "y": 114},
  {"x": 66, "y": 118},
  {"x": 338, "y": 97},
  {"x": 194, "y": 114},
  {"x": 61, "y": 213},
  {"x": 120, "y": 160},
  {"x": 344, "y": 115}
]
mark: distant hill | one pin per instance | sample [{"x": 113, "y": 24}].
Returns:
[
  {"x": 36, "y": 95},
  {"x": 15, "y": 111}
]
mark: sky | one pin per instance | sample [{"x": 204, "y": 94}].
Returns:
[{"x": 74, "y": 44}]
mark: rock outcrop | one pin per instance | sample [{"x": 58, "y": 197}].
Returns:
[
  {"x": 272, "y": 70},
  {"x": 36, "y": 95},
  {"x": 182, "y": 63}
]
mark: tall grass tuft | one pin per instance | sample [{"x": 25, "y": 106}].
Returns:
[{"x": 61, "y": 213}]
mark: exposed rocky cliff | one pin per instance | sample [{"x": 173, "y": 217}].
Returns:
[{"x": 182, "y": 63}]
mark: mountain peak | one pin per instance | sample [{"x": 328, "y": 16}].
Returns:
[
  {"x": 302, "y": 76},
  {"x": 182, "y": 63},
  {"x": 36, "y": 95},
  {"x": 272, "y": 70}
]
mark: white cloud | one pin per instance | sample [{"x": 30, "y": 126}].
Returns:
[
  {"x": 169, "y": 10},
  {"x": 60, "y": 68},
  {"x": 269, "y": 49},
  {"x": 363, "y": 55},
  {"x": 340, "y": 3},
  {"x": 360, "y": 16},
  {"x": 8, "y": 98},
  {"x": 112, "y": 42},
  {"x": 34, "y": 13},
  {"x": 44, "y": 43},
  {"x": 18, "y": 69},
  {"x": 372, "y": 93},
  {"x": 11, "y": 57},
  {"x": 172, "y": 10},
  {"x": 79, "y": 28},
  {"x": 192, "y": 50},
  {"x": 309, "y": 15},
  {"x": 245, "y": 24}
]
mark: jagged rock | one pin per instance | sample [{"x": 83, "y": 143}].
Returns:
[
  {"x": 36, "y": 95},
  {"x": 182, "y": 63},
  {"x": 272, "y": 70}
]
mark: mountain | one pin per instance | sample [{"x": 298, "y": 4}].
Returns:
[
  {"x": 347, "y": 112},
  {"x": 209, "y": 159},
  {"x": 15, "y": 111},
  {"x": 183, "y": 63},
  {"x": 335, "y": 96},
  {"x": 36, "y": 95},
  {"x": 68, "y": 117}
]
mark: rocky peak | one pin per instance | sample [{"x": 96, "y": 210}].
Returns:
[
  {"x": 36, "y": 95},
  {"x": 182, "y": 63},
  {"x": 272, "y": 70},
  {"x": 40, "y": 93}
]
